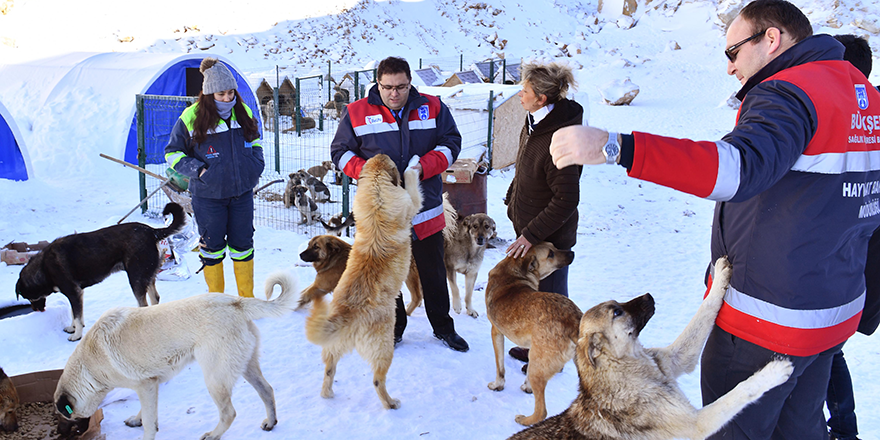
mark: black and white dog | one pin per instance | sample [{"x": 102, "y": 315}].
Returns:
[{"x": 71, "y": 263}]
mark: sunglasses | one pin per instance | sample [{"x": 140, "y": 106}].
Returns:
[{"x": 731, "y": 51}]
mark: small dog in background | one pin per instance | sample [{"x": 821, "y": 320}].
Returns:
[
  {"x": 317, "y": 188},
  {"x": 337, "y": 225},
  {"x": 8, "y": 404},
  {"x": 320, "y": 171},
  {"x": 464, "y": 243},
  {"x": 308, "y": 209},
  {"x": 629, "y": 392}
]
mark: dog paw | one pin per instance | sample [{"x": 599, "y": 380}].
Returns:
[
  {"x": 526, "y": 387},
  {"x": 393, "y": 404},
  {"x": 133, "y": 421},
  {"x": 267, "y": 424},
  {"x": 527, "y": 421},
  {"x": 722, "y": 271},
  {"x": 457, "y": 307},
  {"x": 498, "y": 385},
  {"x": 777, "y": 372},
  {"x": 208, "y": 436},
  {"x": 74, "y": 337},
  {"x": 473, "y": 313},
  {"x": 69, "y": 329},
  {"x": 327, "y": 394}
]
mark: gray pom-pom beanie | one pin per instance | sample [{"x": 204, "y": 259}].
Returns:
[{"x": 217, "y": 76}]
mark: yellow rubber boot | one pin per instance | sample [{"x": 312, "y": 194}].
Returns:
[
  {"x": 244, "y": 277},
  {"x": 214, "y": 278}
]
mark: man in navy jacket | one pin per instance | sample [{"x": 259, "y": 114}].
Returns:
[
  {"x": 395, "y": 119},
  {"x": 797, "y": 184}
]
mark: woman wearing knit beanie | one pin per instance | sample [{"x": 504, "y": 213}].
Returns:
[{"x": 216, "y": 143}]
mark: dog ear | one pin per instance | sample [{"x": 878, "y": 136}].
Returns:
[
  {"x": 597, "y": 340},
  {"x": 533, "y": 264}
]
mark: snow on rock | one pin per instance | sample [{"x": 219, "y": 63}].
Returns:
[{"x": 619, "y": 92}]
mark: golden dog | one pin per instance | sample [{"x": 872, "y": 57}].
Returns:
[
  {"x": 329, "y": 254},
  {"x": 545, "y": 322},
  {"x": 8, "y": 404},
  {"x": 629, "y": 392},
  {"x": 464, "y": 243},
  {"x": 361, "y": 314}
]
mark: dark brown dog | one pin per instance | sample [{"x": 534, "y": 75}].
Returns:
[
  {"x": 545, "y": 322},
  {"x": 8, "y": 404},
  {"x": 72, "y": 263},
  {"x": 329, "y": 255}
]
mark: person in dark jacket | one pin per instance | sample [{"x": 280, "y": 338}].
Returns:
[
  {"x": 542, "y": 200},
  {"x": 417, "y": 131},
  {"x": 216, "y": 143},
  {"x": 840, "y": 400},
  {"x": 797, "y": 194}
]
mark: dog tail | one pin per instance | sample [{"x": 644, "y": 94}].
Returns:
[
  {"x": 179, "y": 218},
  {"x": 280, "y": 306},
  {"x": 274, "y": 308},
  {"x": 320, "y": 329},
  {"x": 450, "y": 215}
]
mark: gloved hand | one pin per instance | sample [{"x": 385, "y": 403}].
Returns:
[{"x": 413, "y": 162}]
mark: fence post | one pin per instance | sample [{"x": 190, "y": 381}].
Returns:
[
  {"x": 420, "y": 63},
  {"x": 297, "y": 110},
  {"x": 329, "y": 76},
  {"x": 491, "y": 71},
  {"x": 489, "y": 131},
  {"x": 142, "y": 153},
  {"x": 504, "y": 71},
  {"x": 461, "y": 62},
  {"x": 356, "y": 88},
  {"x": 275, "y": 126}
]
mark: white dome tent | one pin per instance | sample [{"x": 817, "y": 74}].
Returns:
[
  {"x": 14, "y": 161},
  {"x": 92, "y": 95}
]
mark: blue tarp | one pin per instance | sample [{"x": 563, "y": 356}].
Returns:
[{"x": 12, "y": 165}]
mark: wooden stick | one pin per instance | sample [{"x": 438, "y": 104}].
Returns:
[{"x": 142, "y": 170}]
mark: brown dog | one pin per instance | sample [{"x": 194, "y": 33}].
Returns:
[
  {"x": 8, "y": 404},
  {"x": 362, "y": 312},
  {"x": 630, "y": 392},
  {"x": 464, "y": 243},
  {"x": 329, "y": 254},
  {"x": 320, "y": 171},
  {"x": 545, "y": 322}
]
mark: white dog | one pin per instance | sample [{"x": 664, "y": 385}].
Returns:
[{"x": 139, "y": 348}]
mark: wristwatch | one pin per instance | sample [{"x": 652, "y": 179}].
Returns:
[{"x": 611, "y": 150}]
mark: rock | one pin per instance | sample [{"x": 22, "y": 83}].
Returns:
[{"x": 619, "y": 92}]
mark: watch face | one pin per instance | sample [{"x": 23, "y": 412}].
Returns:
[{"x": 611, "y": 150}]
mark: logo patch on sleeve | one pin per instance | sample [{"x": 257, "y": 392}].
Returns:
[
  {"x": 862, "y": 96},
  {"x": 423, "y": 112}
]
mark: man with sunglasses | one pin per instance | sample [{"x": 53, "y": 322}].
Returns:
[
  {"x": 797, "y": 183},
  {"x": 414, "y": 130}
]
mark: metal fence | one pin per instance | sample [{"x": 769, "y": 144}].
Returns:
[{"x": 291, "y": 143}]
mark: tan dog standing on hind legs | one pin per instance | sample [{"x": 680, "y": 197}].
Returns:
[
  {"x": 543, "y": 321},
  {"x": 629, "y": 392},
  {"x": 362, "y": 312}
]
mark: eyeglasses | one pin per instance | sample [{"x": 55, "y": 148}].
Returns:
[
  {"x": 732, "y": 51},
  {"x": 400, "y": 89}
]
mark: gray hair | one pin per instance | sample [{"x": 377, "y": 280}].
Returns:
[{"x": 551, "y": 80}]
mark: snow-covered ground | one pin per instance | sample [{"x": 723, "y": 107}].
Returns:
[{"x": 633, "y": 237}]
